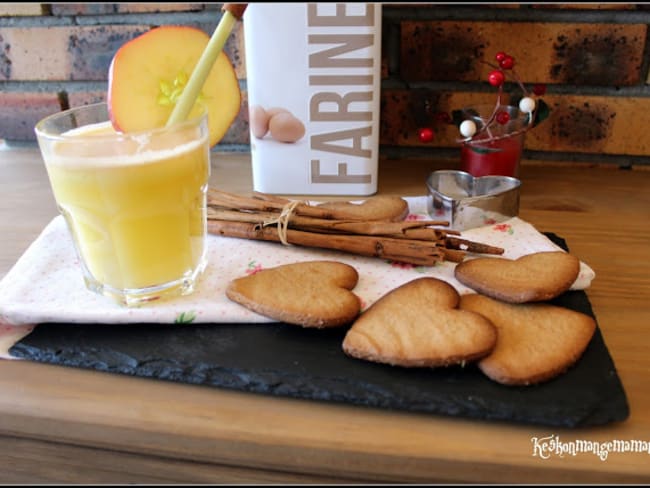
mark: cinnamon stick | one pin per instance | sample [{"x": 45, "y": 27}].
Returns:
[
  {"x": 270, "y": 198},
  {"x": 219, "y": 198},
  {"x": 415, "y": 241},
  {"x": 326, "y": 210},
  {"x": 376, "y": 227},
  {"x": 407, "y": 251},
  {"x": 471, "y": 246},
  {"x": 454, "y": 255},
  {"x": 425, "y": 234}
]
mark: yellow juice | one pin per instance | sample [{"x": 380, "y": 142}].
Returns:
[{"x": 136, "y": 208}]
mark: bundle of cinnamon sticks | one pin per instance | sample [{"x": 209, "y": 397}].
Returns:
[{"x": 272, "y": 218}]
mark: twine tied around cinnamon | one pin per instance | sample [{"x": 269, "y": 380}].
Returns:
[{"x": 283, "y": 220}]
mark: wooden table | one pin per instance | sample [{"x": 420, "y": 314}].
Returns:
[{"x": 66, "y": 425}]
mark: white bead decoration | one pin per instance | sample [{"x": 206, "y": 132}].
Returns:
[
  {"x": 467, "y": 128},
  {"x": 527, "y": 105}
]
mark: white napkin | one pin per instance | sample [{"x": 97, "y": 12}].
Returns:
[{"x": 46, "y": 285}]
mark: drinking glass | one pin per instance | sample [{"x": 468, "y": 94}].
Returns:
[{"x": 134, "y": 203}]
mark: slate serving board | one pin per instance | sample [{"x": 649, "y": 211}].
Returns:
[{"x": 285, "y": 360}]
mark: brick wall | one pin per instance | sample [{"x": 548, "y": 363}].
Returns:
[{"x": 594, "y": 59}]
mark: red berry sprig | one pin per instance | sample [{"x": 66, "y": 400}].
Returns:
[
  {"x": 503, "y": 117},
  {"x": 497, "y": 78},
  {"x": 507, "y": 62},
  {"x": 426, "y": 134}
]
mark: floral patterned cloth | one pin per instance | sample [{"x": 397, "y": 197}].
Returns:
[{"x": 45, "y": 284}]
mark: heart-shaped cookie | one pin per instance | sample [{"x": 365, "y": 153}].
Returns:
[
  {"x": 418, "y": 325},
  {"x": 535, "y": 342},
  {"x": 532, "y": 278},
  {"x": 310, "y": 293},
  {"x": 380, "y": 207}
]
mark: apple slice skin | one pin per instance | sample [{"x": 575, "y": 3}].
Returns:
[{"x": 156, "y": 59}]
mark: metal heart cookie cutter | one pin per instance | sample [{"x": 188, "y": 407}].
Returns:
[{"x": 467, "y": 201}]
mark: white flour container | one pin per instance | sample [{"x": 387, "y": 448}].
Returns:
[{"x": 313, "y": 82}]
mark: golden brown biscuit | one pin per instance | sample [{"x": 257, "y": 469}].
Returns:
[
  {"x": 535, "y": 342},
  {"x": 310, "y": 294},
  {"x": 379, "y": 207},
  {"x": 531, "y": 278},
  {"x": 418, "y": 324}
]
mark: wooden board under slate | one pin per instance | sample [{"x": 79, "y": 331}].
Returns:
[{"x": 285, "y": 360}]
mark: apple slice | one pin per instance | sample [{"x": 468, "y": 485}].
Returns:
[{"x": 148, "y": 73}]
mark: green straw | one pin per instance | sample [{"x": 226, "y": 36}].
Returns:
[{"x": 203, "y": 66}]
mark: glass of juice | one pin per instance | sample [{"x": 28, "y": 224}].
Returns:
[
  {"x": 497, "y": 149},
  {"x": 135, "y": 203}
]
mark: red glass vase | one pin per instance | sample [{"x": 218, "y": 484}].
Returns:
[{"x": 497, "y": 149}]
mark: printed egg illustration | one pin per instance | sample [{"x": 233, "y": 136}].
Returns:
[
  {"x": 276, "y": 110},
  {"x": 285, "y": 127},
  {"x": 258, "y": 120}
]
